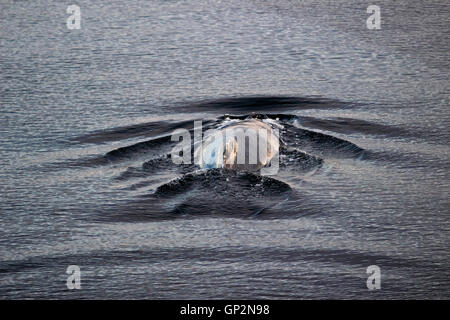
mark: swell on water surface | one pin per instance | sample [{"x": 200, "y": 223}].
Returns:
[
  {"x": 160, "y": 189},
  {"x": 294, "y": 216}
]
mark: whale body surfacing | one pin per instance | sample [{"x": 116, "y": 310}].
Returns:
[{"x": 247, "y": 145}]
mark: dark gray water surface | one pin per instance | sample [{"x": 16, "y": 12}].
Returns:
[{"x": 86, "y": 118}]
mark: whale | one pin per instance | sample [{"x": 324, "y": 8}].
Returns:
[{"x": 246, "y": 145}]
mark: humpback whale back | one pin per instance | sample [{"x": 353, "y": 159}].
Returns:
[{"x": 246, "y": 145}]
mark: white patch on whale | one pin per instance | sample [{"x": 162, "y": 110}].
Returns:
[{"x": 248, "y": 145}]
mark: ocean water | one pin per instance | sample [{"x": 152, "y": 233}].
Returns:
[{"x": 86, "y": 120}]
